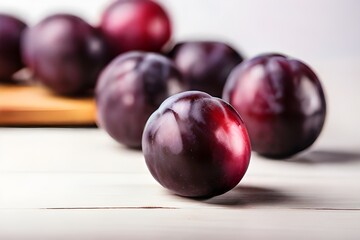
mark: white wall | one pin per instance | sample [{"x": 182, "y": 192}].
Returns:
[
  {"x": 310, "y": 29},
  {"x": 305, "y": 28}
]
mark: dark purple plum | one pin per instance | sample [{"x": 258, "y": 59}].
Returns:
[
  {"x": 65, "y": 53},
  {"x": 196, "y": 145},
  {"x": 11, "y": 30},
  {"x": 135, "y": 25},
  {"x": 130, "y": 89},
  {"x": 205, "y": 65},
  {"x": 281, "y": 101}
]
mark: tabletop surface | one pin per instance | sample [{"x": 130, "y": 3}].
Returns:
[{"x": 67, "y": 183}]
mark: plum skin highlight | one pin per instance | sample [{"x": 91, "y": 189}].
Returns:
[{"x": 196, "y": 145}]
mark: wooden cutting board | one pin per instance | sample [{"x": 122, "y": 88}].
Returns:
[{"x": 37, "y": 106}]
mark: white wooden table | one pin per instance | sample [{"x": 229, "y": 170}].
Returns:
[{"x": 80, "y": 184}]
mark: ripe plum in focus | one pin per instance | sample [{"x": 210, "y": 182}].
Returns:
[{"x": 196, "y": 145}]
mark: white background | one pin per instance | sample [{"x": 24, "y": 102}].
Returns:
[
  {"x": 309, "y": 29},
  {"x": 323, "y": 33}
]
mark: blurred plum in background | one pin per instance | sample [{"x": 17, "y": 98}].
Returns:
[
  {"x": 281, "y": 101},
  {"x": 11, "y": 30},
  {"x": 65, "y": 53},
  {"x": 130, "y": 89},
  {"x": 205, "y": 64},
  {"x": 135, "y": 25}
]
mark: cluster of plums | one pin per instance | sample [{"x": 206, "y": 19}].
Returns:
[{"x": 167, "y": 100}]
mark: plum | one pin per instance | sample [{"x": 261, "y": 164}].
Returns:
[
  {"x": 11, "y": 30},
  {"x": 281, "y": 101},
  {"x": 205, "y": 65},
  {"x": 65, "y": 53},
  {"x": 196, "y": 145},
  {"x": 130, "y": 89},
  {"x": 135, "y": 25}
]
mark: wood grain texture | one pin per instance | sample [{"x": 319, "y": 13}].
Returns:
[
  {"x": 80, "y": 184},
  {"x": 179, "y": 224},
  {"x": 35, "y": 105}
]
